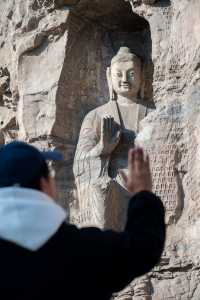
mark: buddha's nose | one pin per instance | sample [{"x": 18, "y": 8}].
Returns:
[{"x": 124, "y": 77}]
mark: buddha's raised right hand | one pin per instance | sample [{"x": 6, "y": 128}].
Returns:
[{"x": 110, "y": 135}]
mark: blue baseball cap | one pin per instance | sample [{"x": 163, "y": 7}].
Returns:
[{"x": 21, "y": 163}]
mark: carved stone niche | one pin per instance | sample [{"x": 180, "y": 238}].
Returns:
[{"x": 96, "y": 31}]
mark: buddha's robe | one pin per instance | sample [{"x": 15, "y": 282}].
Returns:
[{"x": 102, "y": 197}]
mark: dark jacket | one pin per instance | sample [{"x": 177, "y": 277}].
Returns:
[{"x": 88, "y": 263}]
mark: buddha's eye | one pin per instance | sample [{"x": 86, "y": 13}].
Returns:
[
  {"x": 131, "y": 74},
  {"x": 119, "y": 74}
]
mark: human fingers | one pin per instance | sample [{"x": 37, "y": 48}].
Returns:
[
  {"x": 147, "y": 162},
  {"x": 131, "y": 155},
  {"x": 148, "y": 171},
  {"x": 138, "y": 159},
  {"x": 147, "y": 165}
]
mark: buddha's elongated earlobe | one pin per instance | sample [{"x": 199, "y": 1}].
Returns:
[{"x": 110, "y": 87}]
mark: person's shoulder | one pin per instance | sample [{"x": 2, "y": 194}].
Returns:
[
  {"x": 65, "y": 242},
  {"x": 64, "y": 234},
  {"x": 67, "y": 230}
]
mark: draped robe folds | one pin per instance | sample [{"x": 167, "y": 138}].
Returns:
[{"x": 102, "y": 197}]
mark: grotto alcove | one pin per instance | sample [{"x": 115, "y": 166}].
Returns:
[{"x": 96, "y": 30}]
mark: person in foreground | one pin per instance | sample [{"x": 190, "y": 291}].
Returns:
[{"x": 43, "y": 257}]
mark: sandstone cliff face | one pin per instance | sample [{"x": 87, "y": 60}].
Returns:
[
  {"x": 170, "y": 136},
  {"x": 53, "y": 58}
]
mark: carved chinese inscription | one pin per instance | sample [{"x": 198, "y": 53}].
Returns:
[{"x": 163, "y": 149}]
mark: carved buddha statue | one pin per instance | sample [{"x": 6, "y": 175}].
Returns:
[{"x": 106, "y": 135}]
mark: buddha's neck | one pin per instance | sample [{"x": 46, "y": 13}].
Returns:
[{"x": 126, "y": 100}]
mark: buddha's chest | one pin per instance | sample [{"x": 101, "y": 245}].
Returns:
[{"x": 126, "y": 116}]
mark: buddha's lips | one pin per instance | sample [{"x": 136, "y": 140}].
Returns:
[{"x": 125, "y": 85}]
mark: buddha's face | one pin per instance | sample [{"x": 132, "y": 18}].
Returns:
[{"x": 126, "y": 78}]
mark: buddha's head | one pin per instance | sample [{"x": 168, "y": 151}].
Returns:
[{"x": 125, "y": 75}]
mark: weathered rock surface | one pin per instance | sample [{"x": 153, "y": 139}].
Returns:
[{"x": 53, "y": 59}]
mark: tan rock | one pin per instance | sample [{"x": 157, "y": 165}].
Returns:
[{"x": 56, "y": 54}]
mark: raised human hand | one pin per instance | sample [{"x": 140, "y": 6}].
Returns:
[
  {"x": 139, "y": 174},
  {"x": 110, "y": 135}
]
